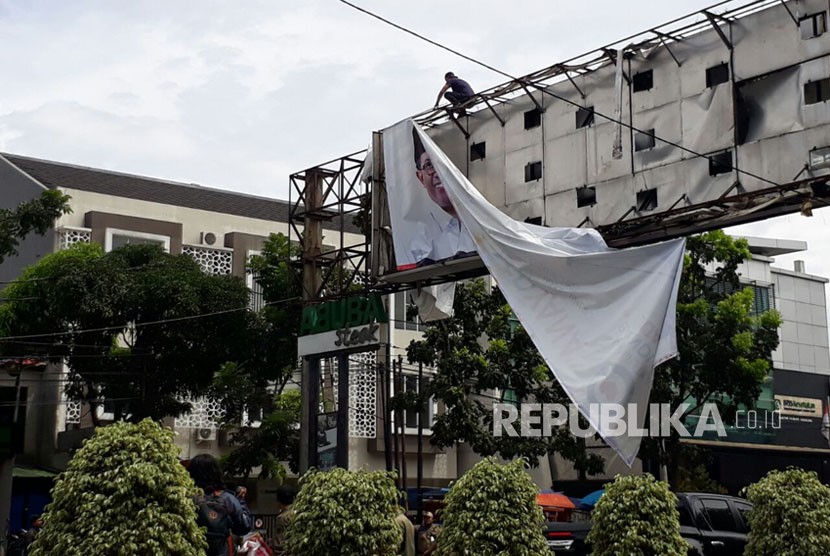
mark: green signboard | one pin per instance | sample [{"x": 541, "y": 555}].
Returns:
[{"x": 351, "y": 312}]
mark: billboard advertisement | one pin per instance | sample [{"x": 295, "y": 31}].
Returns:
[{"x": 425, "y": 224}]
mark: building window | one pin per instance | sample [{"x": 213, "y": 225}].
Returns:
[
  {"x": 116, "y": 238},
  {"x": 647, "y": 200},
  {"x": 478, "y": 151},
  {"x": 644, "y": 140},
  {"x": 717, "y": 75},
  {"x": 409, "y": 383},
  {"x": 586, "y": 196},
  {"x": 643, "y": 81},
  {"x": 403, "y": 302},
  {"x": 533, "y": 118},
  {"x": 763, "y": 295},
  {"x": 817, "y": 91},
  {"x": 813, "y": 25},
  {"x": 533, "y": 171},
  {"x": 536, "y": 220},
  {"x": 720, "y": 163},
  {"x": 585, "y": 117},
  {"x": 256, "y": 296}
]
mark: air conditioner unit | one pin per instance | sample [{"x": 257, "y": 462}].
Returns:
[
  {"x": 208, "y": 238},
  {"x": 205, "y": 435}
]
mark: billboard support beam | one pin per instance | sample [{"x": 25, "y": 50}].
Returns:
[{"x": 711, "y": 17}]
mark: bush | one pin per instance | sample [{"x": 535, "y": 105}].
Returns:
[
  {"x": 637, "y": 515},
  {"x": 345, "y": 513},
  {"x": 790, "y": 515},
  {"x": 491, "y": 510},
  {"x": 124, "y": 493}
]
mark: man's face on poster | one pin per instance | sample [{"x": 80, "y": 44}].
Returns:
[{"x": 432, "y": 182}]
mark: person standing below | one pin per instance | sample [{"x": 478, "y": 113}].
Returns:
[
  {"x": 285, "y": 498},
  {"x": 217, "y": 509},
  {"x": 427, "y": 539},
  {"x": 407, "y": 546},
  {"x": 461, "y": 91}
]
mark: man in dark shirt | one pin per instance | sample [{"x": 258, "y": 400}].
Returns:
[{"x": 461, "y": 91}]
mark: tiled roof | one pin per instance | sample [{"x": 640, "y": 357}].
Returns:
[{"x": 57, "y": 174}]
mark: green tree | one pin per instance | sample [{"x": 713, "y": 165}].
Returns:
[
  {"x": 637, "y": 515},
  {"x": 345, "y": 513},
  {"x": 124, "y": 493},
  {"x": 37, "y": 215},
  {"x": 124, "y": 323},
  {"x": 469, "y": 370},
  {"x": 724, "y": 340},
  {"x": 790, "y": 515},
  {"x": 491, "y": 511},
  {"x": 265, "y": 382}
]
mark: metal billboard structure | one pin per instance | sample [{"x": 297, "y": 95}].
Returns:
[{"x": 723, "y": 118}]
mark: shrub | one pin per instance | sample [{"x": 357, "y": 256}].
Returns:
[
  {"x": 790, "y": 515},
  {"x": 491, "y": 510},
  {"x": 124, "y": 493},
  {"x": 348, "y": 513},
  {"x": 637, "y": 515}
]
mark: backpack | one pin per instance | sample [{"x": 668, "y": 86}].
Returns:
[{"x": 215, "y": 515}]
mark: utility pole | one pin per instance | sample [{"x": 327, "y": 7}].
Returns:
[{"x": 312, "y": 250}]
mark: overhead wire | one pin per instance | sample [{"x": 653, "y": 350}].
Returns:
[{"x": 550, "y": 93}]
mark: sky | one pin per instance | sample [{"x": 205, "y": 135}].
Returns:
[{"x": 239, "y": 94}]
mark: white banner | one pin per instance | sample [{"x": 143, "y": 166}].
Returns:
[{"x": 601, "y": 318}]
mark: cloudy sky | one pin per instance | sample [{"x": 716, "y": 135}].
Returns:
[{"x": 239, "y": 94}]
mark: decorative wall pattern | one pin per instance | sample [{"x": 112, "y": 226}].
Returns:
[
  {"x": 206, "y": 414},
  {"x": 212, "y": 260},
  {"x": 67, "y": 237}
]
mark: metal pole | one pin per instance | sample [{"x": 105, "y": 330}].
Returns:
[
  {"x": 312, "y": 397},
  {"x": 402, "y": 425},
  {"x": 421, "y": 408},
  {"x": 342, "y": 460},
  {"x": 395, "y": 427}
]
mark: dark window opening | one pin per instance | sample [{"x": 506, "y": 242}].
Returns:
[
  {"x": 813, "y": 25},
  {"x": 585, "y": 117},
  {"x": 647, "y": 200},
  {"x": 717, "y": 75},
  {"x": 478, "y": 150},
  {"x": 533, "y": 171},
  {"x": 586, "y": 196},
  {"x": 817, "y": 91},
  {"x": 720, "y": 163},
  {"x": 533, "y": 118},
  {"x": 644, "y": 140},
  {"x": 534, "y": 220},
  {"x": 643, "y": 81}
]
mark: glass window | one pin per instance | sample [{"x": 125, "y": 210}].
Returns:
[
  {"x": 720, "y": 515},
  {"x": 744, "y": 509},
  {"x": 409, "y": 383},
  {"x": 403, "y": 302},
  {"x": 119, "y": 238}
]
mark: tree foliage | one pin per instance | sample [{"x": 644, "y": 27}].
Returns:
[
  {"x": 790, "y": 515},
  {"x": 725, "y": 342},
  {"x": 263, "y": 385},
  {"x": 345, "y": 513},
  {"x": 491, "y": 511},
  {"x": 483, "y": 349},
  {"x": 37, "y": 215},
  {"x": 123, "y": 322},
  {"x": 124, "y": 493},
  {"x": 637, "y": 515}
]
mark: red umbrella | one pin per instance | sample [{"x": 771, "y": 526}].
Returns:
[{"x": 554, "y": 499}]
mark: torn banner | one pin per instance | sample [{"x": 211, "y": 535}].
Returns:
[{"x": 601, "y": 318}]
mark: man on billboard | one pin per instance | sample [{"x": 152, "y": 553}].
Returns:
[{"x": 439, "y": 238}]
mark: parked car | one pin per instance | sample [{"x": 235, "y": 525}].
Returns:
[{"x": 713, "y": 524}]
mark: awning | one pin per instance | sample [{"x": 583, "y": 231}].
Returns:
[
  {"x": 554, "y": 499},
  {"x": 26, "y": 472}
]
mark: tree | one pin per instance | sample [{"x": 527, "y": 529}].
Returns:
[
  {"x": 469, "y": 370},
  {"x": 725, "y": 344},
  {"x": 261, "y": 383},
  {"x": 124, "y": 493},
  {"x": 637, "y": 515},
  {"x": 141, "y": 328},
  {"x": 790, "y": 515},
  {"x": 491, "y": 510},
  {"x": 37, "y": 215},
  {"x": 345, "y": 513}
]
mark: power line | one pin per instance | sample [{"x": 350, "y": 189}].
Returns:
[
  {"x": 142, "y": 324},
  {"x": 546, "y": 91}
]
